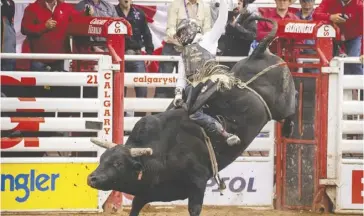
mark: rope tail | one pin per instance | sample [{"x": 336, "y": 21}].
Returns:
[{"x": 214, "y": 165}]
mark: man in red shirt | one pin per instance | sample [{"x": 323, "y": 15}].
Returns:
[
  {"x": 45, "y": 24},
  {"x": 279, "y": 13},
  {"x": 348, "y": 16}
]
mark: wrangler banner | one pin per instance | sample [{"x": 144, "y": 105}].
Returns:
[{"x": 47, "y": 186}]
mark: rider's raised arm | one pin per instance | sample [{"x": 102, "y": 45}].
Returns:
[
  {"x": 181, "y": 77},
  {"x": 210, "y": 39}
]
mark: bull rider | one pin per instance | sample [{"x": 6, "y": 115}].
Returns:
[{"x": 198, "y": 60}]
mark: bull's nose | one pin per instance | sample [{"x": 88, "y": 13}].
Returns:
[{"x": 91, "y": 180}]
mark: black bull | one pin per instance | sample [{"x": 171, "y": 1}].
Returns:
[{"x": 166, "y": 158}]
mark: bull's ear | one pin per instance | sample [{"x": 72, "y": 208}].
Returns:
[{"x": 137, "y": 166}]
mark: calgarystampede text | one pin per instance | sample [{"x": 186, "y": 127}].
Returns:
[{"x": 150, "y": 80}]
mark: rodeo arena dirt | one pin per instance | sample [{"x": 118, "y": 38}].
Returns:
[
  {"x": 183, "y": 211},
  {"x": 56, "y": 125}
]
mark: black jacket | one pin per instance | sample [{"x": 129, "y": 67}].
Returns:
[{"x": 141, "y": 34}]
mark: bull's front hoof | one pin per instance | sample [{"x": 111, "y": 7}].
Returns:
[{"x": 233, "y": 140}]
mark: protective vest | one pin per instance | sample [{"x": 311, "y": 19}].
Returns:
[{"x": 194, "y": 57}]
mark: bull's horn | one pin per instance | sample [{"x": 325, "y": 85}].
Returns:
[
  {"x": 136, "y": 152},
  {"x": 101, "y": 143}
]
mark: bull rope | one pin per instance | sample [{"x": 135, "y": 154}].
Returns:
[
  {"x": 214, "y": 165},
  {"x": 243, "y": 85},
  {"x": 226, "y": 80}
]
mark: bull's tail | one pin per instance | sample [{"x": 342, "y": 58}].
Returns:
[{"x": 267, "y": 40}]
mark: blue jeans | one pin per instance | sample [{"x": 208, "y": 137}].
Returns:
[
  {"x": 353, "y": 47},
  {"x": 53, "y": 66},
  {"x": 136, "y": 67},
  {"x": 207, "y": 122},
  {"x": 7, "y": 65}
]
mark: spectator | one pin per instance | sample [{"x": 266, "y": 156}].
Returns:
[
  {"x": 45, "y": 23},
  {"x": 133, "y": 44},
  {"x": 178, "y": 10},
  {"x": 348, "y": 16},
  {"x": 8, "y": 36},
  {"x": 305, "y": 13},
  {"x": 279, "y": 13},
  {"x": 238, "y": 35},
  {"x": 8, "y": 40},
  {"x": 97, "y": 8},
  {"x": 214, "y": 8}
]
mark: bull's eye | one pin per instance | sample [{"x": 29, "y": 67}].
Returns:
[{"x": 118, "y": 164}]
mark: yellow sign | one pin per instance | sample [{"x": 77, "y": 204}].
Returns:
[{"x": 47, "y": 186}]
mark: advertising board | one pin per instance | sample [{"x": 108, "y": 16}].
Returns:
[
  {"x": 351, "y": 190},
  {"x": 47, "y": 186},
  {"x": 247, "y": 184}
]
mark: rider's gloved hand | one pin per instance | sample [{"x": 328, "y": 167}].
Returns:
[{"x": 178, "y": 101}]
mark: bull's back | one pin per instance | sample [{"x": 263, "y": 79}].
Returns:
[
  {"x": 249, "y": 67},
  {"x": 276, "y": 85}
]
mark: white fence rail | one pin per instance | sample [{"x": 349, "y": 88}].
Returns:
[
  {"x": 59, "y": 144},
  {"x": 52, "y": 124},
  {"x": 345, "y": 146},
  {"x": 52, "y": 104},
  {"x": 56, "y": 78}
]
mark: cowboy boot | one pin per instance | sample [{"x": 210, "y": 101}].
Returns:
[{"x": 231, "y": 139}]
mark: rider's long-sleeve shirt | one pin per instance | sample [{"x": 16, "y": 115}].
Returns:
[{"x": 208, "y": 41}]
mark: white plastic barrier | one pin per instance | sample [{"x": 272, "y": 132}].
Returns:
[
  {"x": 49, "y": 181},
  {"x": 249, "y": 180},
  {"x": 344, "y": 153}
]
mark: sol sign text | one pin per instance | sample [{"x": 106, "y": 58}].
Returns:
[{"x": 236, "y": 184}]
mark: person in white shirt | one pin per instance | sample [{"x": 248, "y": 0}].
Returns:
[{"x": 197, "y": 50}]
